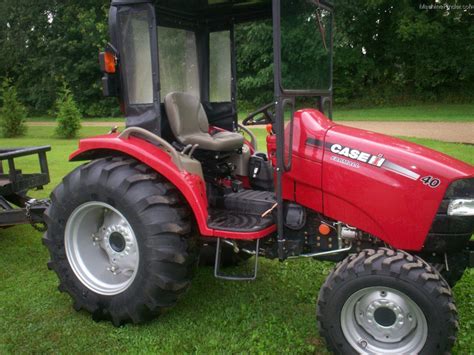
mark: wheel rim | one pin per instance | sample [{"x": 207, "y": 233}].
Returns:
[
  {"x": 101, "y": 248},
  {"x": 378, "y": 320}
]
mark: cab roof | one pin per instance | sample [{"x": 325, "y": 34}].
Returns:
[
  {"x": 202, "y": 11},
  {"x": 211, "y": 11}
]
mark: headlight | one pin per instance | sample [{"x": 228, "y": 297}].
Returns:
[{"x": 461, "y": 207}]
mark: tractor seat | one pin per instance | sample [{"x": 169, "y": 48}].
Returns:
[{"x": 189, "y": 124}]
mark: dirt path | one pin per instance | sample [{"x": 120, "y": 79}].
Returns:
[{"x": 462, "y": 132}]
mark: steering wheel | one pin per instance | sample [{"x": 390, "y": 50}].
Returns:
[{"x": 267, "y": 112}]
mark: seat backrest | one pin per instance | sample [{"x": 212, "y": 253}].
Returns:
[{"x": 185, "y": 115}]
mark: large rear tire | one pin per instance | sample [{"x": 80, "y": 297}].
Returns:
[
  {"x": 386, "y": 301},
  {"x": 120, "y": 240}
]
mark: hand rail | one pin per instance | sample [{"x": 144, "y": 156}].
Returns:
[
  {"x": 153, "y": 138},
  {"x": 253, "y": 138}
]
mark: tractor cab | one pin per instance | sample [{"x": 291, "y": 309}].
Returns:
[
  {"x": 160, "y": 47},
  {"x": 173, "y": 65}
]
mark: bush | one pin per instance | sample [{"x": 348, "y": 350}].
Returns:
[
  {"x": 68, "y": 115},
  {"x": 12, "y": 113},
  {"x": 107, "y": 107}
]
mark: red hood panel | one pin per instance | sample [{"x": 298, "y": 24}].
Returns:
[{"x": 384, "y": 185}]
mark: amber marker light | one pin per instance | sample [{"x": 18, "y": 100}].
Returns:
[{"x": 324, "y": 229}]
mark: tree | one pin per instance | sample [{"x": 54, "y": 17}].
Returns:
[
  {"x": 68, "y": 116},
  {"x": 385, "y": 51},
  {"x": 13, "y": 113},
  {"x": 254, "y": 63},
  {"x": 42, "y": 42}
]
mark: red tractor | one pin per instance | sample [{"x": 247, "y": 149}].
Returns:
[{"x": 127, "y": 228}]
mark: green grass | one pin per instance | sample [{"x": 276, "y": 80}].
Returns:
[
  {"x": 416, "y": 113},
  {"x": 275, "y": 314},
  {"x": 421, "y": 113},
  {"x": 87, "y": 119}
]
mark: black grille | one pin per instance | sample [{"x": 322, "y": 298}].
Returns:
[{"x": 451, "y": 233}]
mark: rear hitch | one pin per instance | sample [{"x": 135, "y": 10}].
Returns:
[{"x": 34, "y": 212}]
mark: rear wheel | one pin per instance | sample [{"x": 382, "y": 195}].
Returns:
[
  {"x": 120, "y": 240},
  {"x": 385, "y": 301}
]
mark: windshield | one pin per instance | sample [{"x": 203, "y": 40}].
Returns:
[{"x": 306, "y": 45}]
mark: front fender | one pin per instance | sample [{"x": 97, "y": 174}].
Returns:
[{"x": 192, "y": 187}]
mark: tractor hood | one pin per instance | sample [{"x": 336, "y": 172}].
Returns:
[
  {"x": 397, "y": 156},
  {"x": 382, "y": 185},
  {"x": 386, "y": 186}
]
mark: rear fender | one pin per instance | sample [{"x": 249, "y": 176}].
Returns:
[{"x": 192, "y": 187}]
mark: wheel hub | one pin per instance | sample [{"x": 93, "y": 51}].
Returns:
[
  {"x": 117, "y": 242},
  {"x": 101, "y": 248},
  {"x": 383, "y": 320},
  {"x": 385, "y": 316}
]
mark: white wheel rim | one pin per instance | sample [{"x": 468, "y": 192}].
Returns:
[
  {"x": 101, "y": 248},
  {"x": 382, "y": 320}
]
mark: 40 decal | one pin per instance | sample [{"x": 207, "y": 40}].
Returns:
[{"x": 431, "y": 181}]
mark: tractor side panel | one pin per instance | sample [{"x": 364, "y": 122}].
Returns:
[
  {"x": 303, "y": 183},
  {"x": 385, "y": 186},
  {"x": 191, "y": 186}
]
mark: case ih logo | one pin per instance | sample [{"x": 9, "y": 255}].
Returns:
[{"x": 376, "y": 160}]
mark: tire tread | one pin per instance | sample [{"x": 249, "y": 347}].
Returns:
[
  {"x": 171, "y": 256},
  {"x": 390, "y": 262}
]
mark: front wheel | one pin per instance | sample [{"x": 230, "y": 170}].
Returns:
[
  {"x": 120, "y": 240},
  {"x": 386, "y": 302}
]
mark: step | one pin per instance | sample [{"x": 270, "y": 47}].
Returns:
[
  {"x": 235, "y": 221},
  {"x": 246, "y": 201}
]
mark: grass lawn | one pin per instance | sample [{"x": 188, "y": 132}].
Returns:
[
  {"x": 428, "y": 113},
  {"x": 275, "y": 314},
  {"x": 417, "y": 113},
  {"x": 95, "y": 119}
]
